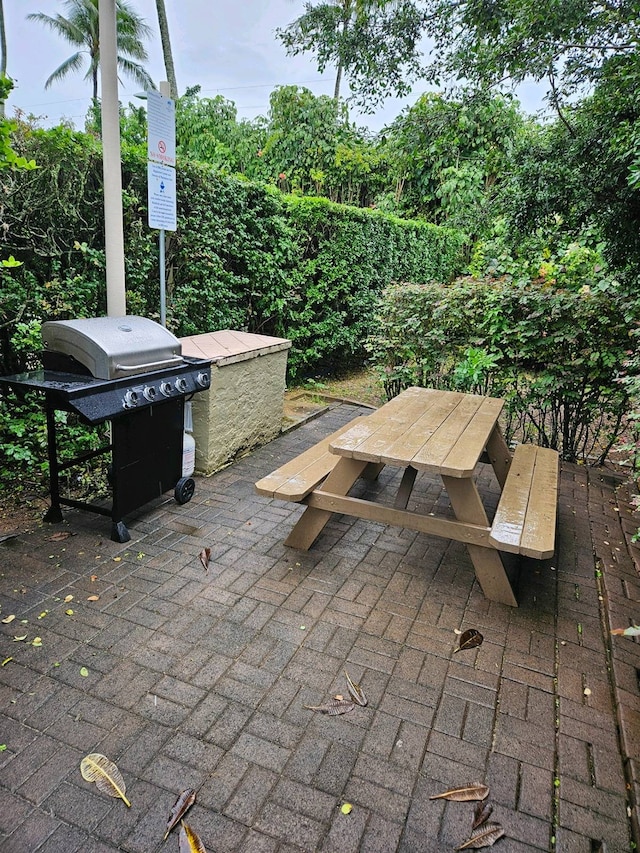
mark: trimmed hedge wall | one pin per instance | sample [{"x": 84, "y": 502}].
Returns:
[
  {"x": 245, "y": 256},
  {"x": 553, "y": 354}
]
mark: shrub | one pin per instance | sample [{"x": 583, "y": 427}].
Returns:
[{"x": 553, "y": 354}]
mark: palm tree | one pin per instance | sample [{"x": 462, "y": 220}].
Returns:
[
  {"x": 166, "y": 48},
  {"x": 81, "y": 29}
]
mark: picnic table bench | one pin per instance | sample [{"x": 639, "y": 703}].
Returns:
[{"x": 446, "y": 433}]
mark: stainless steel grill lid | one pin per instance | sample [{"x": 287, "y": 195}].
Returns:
[{"x": 114, "y": 347}]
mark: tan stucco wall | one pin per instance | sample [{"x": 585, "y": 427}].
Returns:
[{"x": 242, "y": 409}]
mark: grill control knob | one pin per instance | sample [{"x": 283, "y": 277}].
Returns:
[
  {"x": 130, "y": 399},
  {"x": 203, "y": 380},
  {"x": 181, "y": 384},
  {"x": 149, "y": 393},
  {"x": 165, "y": 388}
]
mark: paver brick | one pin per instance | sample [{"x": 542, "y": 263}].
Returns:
[
  {"x": 39, "y": 785},
  {"x": 306, "y": 758},
  {"x": 78, "y": 804},
  {"x": 249, "y": 797},
  {"x": 346, "y": 832},
  {"x": 201, "y": 678},
  {"x": 613, "y": 834},
  {"x": 13, "y": 810},
  {"x": 257, "y": 842},
  {"x": 65, "y": 839},
  {"x": 34, "y": 830},
  {"x": 282, "y": 823}
]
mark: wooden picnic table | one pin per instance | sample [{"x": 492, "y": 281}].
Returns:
[{"x": 446, "y": 433}]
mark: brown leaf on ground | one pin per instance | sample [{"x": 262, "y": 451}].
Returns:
[
  {"x": 472, "y": 791},
  {"x": 333, "y": 707},
  {"x": 469, "y": 640},
  {"x": 356, "y": 692},
  {"x": 205, "y": 556},
  {"x": 485, "y": 836},
  {"x": 185, "y": 801},
  {"x": 481, "y": 814}
]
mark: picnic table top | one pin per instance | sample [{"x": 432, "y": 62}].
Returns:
[{"x": 444, "y": 432}]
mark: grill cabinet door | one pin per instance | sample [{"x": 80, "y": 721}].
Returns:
[{"x": 146, "y": 454}]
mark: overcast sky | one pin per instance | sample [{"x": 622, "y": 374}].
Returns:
[{"x": 228, "y": 47}]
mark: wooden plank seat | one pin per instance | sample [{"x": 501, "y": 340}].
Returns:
[
  {"x": 294, "y": 480},
  {"x": 525, "y": 520}
]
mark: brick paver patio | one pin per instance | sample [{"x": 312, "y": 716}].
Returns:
[{"x": 198, "y": 679}]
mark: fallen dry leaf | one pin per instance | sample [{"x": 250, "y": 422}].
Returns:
[
  {"x": 205, "y": 556},
  {"x": 333, "y": 707},
  {"x": 189, "y": 841},
  {"x": 472, "y": 791},
  {"x": 481, "y": 814},
  {"x": 184, "y": 802},
  {"x": 485, "y": 836},
  {"x": 60, "y": 535},
  {"x": 68, "y": 598},
  {"x": 99, "y": 769},
  {"x": 469, "y": 640},
  {"x": 356, "y": 692},
  {"x": 8, "y": 619},
  {"x": 93, "y": 598}
]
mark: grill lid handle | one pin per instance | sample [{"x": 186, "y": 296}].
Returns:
[{"x": 138, "y": 368}]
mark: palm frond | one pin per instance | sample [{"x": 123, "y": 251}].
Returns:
[
  {"x": 73, "y": 63},
  {"x": 136, "y": 72}
]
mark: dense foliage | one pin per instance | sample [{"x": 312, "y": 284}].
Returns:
[
  {"x": 531, "y": 209},
  {"x": 244, "y": 255},
  {"x": 542, "y": 338}
]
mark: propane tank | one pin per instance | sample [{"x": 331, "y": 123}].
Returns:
[{"x": 188, "y": 443}]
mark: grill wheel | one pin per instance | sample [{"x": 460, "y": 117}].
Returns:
[{"x": 185, "y": 487}]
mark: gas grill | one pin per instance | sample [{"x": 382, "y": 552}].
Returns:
[{"x": 129, "y": 371}]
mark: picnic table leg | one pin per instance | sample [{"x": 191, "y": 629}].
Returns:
[
  {"x": 406, "y": 487},
  {"x": 488, "y": 565},
  {"x": 312, "y": 521},
  {"x": 499, "y": 455}
]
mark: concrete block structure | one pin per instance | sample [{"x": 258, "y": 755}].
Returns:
[{"x": 243, "y": 407}]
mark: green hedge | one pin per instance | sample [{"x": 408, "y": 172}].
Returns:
[
  {"x": 244, "y": 256},
  {"x": 553, "y": 353}
]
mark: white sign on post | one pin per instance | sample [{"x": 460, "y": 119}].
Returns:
[
  {"x": 161, "y": 185},
  {"x": 161, "y": 129},
  {"x": 161, "y": 176}
]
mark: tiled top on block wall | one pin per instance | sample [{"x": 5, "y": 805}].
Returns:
[{"x": 228, "y": 346}]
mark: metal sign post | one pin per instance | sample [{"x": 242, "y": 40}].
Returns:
[{"x": 161, "y": 175}]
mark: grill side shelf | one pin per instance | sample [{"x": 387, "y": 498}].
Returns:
[{"x": 98, "y": 400}]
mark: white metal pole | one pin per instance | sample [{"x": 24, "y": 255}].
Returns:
[
  {"x": 163, "y": 280},
  {"x": 111, "y": 163},
  {"x": 166, "y": 91}
]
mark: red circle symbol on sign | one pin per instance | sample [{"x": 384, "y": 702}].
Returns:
[{"x": 162, "y": 147}]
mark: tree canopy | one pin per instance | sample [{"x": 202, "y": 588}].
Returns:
[
  {"x": 81, "y": 29},
  {"x": 374, "y": 43}
]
